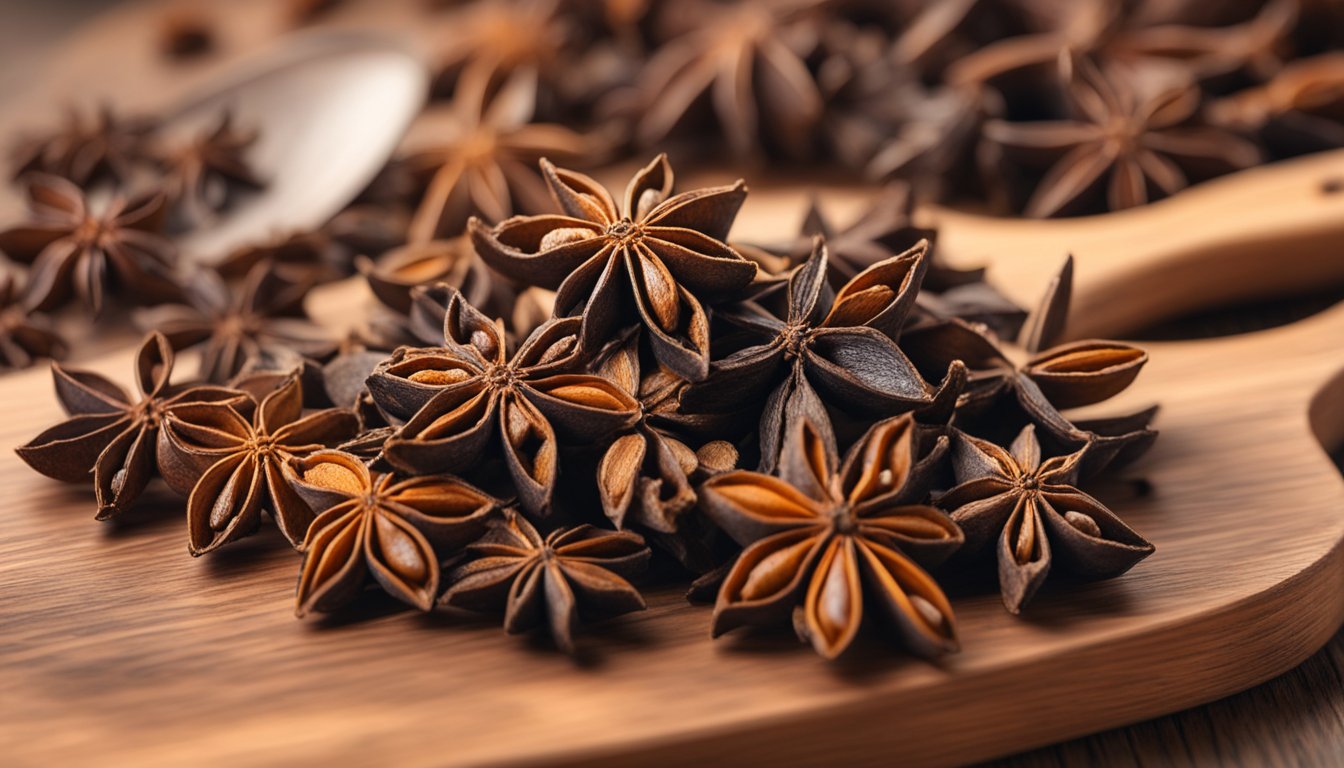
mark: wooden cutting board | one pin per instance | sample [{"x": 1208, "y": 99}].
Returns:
[{"x": 118, "y": 648}]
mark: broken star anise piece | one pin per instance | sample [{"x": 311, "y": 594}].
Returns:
[
  {"x": 25, "y": 335},
  {"x": 233, "y": 467},
  {"x": 262, "y": 318},
  {"x": 573, "y": 573},
  {"x": 108, "y": 435},
  {"x": 832, "y": 347},
  {"x": 370, "y": 524},
  {"x": 1040, "y": 520},
  {"x": 652, "y": 262},
  {"x": 471, "y": 394},
  {"x": 821, "y": 544},
  {"x": 1139, "y": 145},
  {"x": 92, "y": 247}
]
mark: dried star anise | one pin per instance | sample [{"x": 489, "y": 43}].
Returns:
[
  {"x": 653, "y": 264},
  {"x": 644, "y": 477},
  {"x": 749, "y": 58},
  {"x": 370, "y": 524},
  {"x": 819, "y": 541},
  {"x": 1053, "y": 376},
  {"x": 204, "y": 175},
  {"x": 490, "y": 42},
  {"x": 92, "y": 247},
  {"x": 471, "y": 394},
  {"x": 1137, "y": 144},
  {"x": 1038, "y": 518},
  {"x": 110, "y": 439},
  {"x": 311, "y": 255},
  {"x": 832, "y": 347},
  {"x": 572, "y": 573},
  {"x": 263, "y": 318},
  {"x": 1301, "y": 110},
  {"x": 86, "y": 150},
  {"x": 25, "y": 335},
  {"x": 486, "y": 164},
  {"x": 232, "y": 467},
  {"x": 396, "y": 273}
]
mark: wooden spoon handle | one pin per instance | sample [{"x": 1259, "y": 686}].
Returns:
[{"x": 1267, "y": 232}]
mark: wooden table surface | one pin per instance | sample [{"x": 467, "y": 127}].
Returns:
[{"x": 1296, "y": 719}]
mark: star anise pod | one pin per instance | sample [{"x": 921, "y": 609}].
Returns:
[
  {"x": 86, "y": 149},
  {"x": 1139, "y": 36},
  {"x": 25, "y": 335},
  {"x": 471, "y": 399},
  {"x": 1036, "y": 514},
  {"x": 572, "y": 574},
  {"x": 644, "y": 477},
  {"x": 232, "y": 467},
  {"x": 204, "y": 175},
  {"x": 109, "y": 438},
  {"x": 1052, "y": 377},
  {"x": 396, "y": 273},
  {"x": 832, "y": 347},
  {"x": 395, "y": 530},
  {"x": 653, "y": 262},
  {"x": 820, "y": 540},
  {"x": 263, "y": 317},
  {"x": 1138, "y": 145},
  {"x": 748, "y": 58},
  {"x": 92, "y": 247},
  {"x": 490, "y": 42},
  {"x": 308, "y": 255},
  {"x": 485, "y": 164},
  {"x": 1301, "y": 110}
]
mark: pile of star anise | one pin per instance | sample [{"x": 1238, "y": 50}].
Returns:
[{"x": 816, "y": 430}]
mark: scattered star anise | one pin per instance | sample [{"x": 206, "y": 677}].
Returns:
[
  {"x": 86, "y": 149},
  {"x": 204, "y": 175},
  {"x": 263, "y": 317},
  {"x": 470, "y": 395},
  {"x": 1139, "y": 145},
  {"x": 109, "y": 438},
  {"x": 370, "y": 524},
  {"x": 832, "y": 347},
  {"x": 819, "y": 541},
  {"x": 490, "y": 42},
  {"x": 653, "y": 262},
  {"x": 25, "y": 335},
  {"x": 396, "y": 273},
  {"x": 232, "y": 467},
  {"x": 573, "y": 573},
  {"x": 1037, "y": 516},
  {"x": 748, "y": 57},
  {"x": 485, "y": 165},
  {"x": 1053, "y": 376},
  {"x": 91, "y": 247}
]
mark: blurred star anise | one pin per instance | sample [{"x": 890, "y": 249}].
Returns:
[
  {"x": 90, "y": 247},
  {"x": 1139, "y": 145},
  {"x": 748, "y": 58},
  {"x": 263, "y": 317},
  {"x": 233, "y": 467},
  {"x": 470, "y": 399},
  {"x": 25, "y": 335},
  {"x": 822, "y": 543},
  {"x": 653, "y": 262},
  {"x": 1030, "y": 511},
  {"x": 203, "y": 175},
  {"x": 572, "y": 573},
  {"x": 486, "y": 164},
  {"x": 369, "y": 524},
  {"x": 86, "y": 149},
  {"x": 109, "y": 438}
]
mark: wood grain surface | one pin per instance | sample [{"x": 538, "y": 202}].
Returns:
[{"x": 118, "y": 646}]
